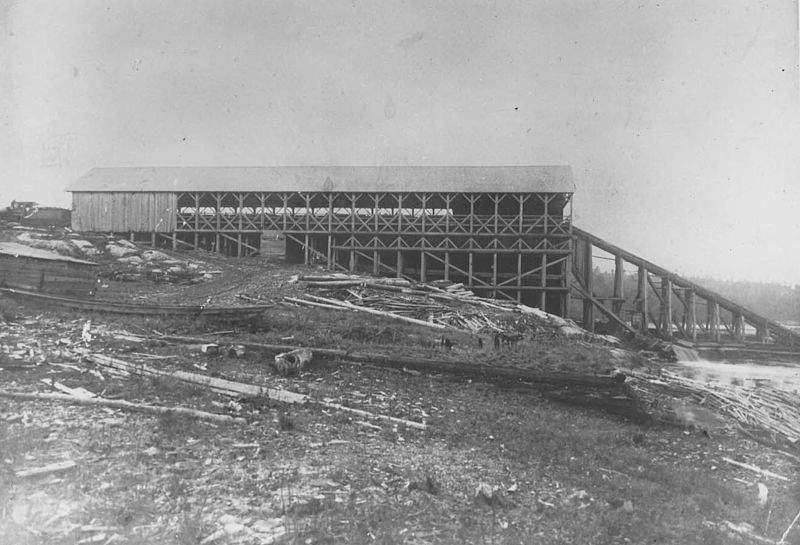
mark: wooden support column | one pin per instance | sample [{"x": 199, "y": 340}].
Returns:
[
  {"x": 239, "y": 213},
  {"x": 520, "y": 229},
  {"x": 448, "y": 211},
  {"x": 588, "y": 308},
  {"x": 423, "y": 271},
  {"x": 353, "y": 256},
  {"x": 691, "y": 316},
  {"x": 619, "y": 276},
  {"x": 496, "y": 199},
  {"x": 543, "y": 296},
  {"x": 471, "y": 231},
  {"x": 762, "y": 333},
  {"x": 218, "y": 199},
  {"x": 197, "y": 221},
  {"x": 329, "y": 258},
  {"x": 713, "y": 307},
  {"x": 643, "y": 288},
  {"x": 543, "y": 283},
  {"x": 376, "y": 256},
  {"x": 666, "y": 308},
  {"x": 399, "y": 235},
  {"x": 738, "y": 326}
]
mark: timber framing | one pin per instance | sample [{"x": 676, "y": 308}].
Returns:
[
  {"x": 507, "y": 245},
  {"x": 504, "y": 232},
  {"x": 670, "y": 306}
]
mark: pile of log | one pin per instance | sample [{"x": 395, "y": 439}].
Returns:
[
  {"x": 438, "y": 305},
  {"x": 764, "y": 409}
]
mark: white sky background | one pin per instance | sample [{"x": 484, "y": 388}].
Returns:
[{"x": 679, "y": 118}]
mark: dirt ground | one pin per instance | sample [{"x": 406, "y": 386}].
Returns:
[{"x": 493, "y": 465}]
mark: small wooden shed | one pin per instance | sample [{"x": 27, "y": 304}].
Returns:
[{"x": 32, "y": 269}]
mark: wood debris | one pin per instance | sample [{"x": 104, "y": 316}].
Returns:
[
  {"x": 121, "y": 404},
  {"x": 771, "y": 410},
  {"x": 237, "y": 389},
  {"x": 764, "y": 472},
  {"x": 439, "y": 305},
  {"x": 57, "y": 467}
]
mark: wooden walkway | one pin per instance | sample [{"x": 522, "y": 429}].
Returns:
[{"x": 669, "y": 306}]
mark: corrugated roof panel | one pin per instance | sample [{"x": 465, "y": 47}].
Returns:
[{"x": 506, "y": 179}]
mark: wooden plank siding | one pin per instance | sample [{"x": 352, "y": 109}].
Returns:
[
  {"x": 124, "y": 212},
  {"x": 57, "y": 277}
]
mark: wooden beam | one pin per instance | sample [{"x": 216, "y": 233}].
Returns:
[
  {"x": 715, "y": 322},
  {"x": 587, "y": 297},
  {"x": 588, "y": 308},
  {"x": 619, "y": 277},
  {"x": 682, "y": 282},
  {"x": 691, "y": 316},
  {"x": 666, "y": 308},
  {"x": 642, "y": 298}
]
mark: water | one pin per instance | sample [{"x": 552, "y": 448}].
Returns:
[{"x": 743, "y": 373}]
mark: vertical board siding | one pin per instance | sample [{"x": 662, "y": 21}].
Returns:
[{"x": 123, "y": 212}]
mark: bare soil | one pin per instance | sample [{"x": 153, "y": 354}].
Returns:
[{"x": 495, "y": 464}]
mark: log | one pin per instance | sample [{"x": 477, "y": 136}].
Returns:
[
  {"x": 351, "y": 306},
  {"x": 230, "y": 388},
  {"x": 75, "y": 392},
  {"x": 756, "y": 469},
  {"x": 789, "y": 529},
  {"x": 121, "y": 404},
  {"x": 429, "y": 365},
  {"x": 57, "y": 467}
]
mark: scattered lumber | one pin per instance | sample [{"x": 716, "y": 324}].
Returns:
[
  {"x": 237, "y": 389},
  {"x": 75, "y": 392},
  {"x": 121, "y": 404},
  {"x": 437, "y": 304},
  {"x": 742, "y": 530},
  {"x": 597, "y": 391},
  {"x": 429, "y": 365},
  {"x": 789, "y": 529},
  {"x": 368, "y": 310},
  {"x": 58, "y": 467},
  {"x": 764, "y": 472},
  {"x": 768, "y": 409}
]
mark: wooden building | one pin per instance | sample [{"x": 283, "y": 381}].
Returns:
[
  {"x": 31, "y": 269},
  {"x": 502, "y": 231}
]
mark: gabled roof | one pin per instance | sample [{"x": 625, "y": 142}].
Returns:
[{"x": 505, "y": 179}]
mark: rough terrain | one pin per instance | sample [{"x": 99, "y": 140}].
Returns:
[{"x": 495, "y": 464}]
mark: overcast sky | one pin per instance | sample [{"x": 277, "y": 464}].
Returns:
[{"x": 679, "y": 118}]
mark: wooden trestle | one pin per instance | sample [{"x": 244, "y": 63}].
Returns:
[
  {"x": 515, "y": 246},
  {"x": 667, "y": 305}
]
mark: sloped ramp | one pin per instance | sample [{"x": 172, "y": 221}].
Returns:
[{"x": 669, "y": 306}]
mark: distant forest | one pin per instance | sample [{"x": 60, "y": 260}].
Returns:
[{"x": 771, "y": 300}]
